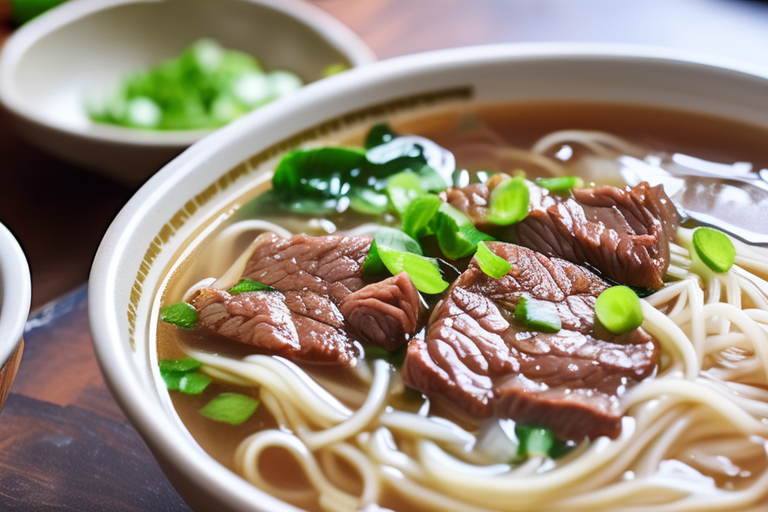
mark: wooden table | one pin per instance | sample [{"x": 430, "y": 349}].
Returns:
[{"x": 64, "y": 443}]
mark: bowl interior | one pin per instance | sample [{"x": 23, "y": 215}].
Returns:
[
  {"x": 78, "y": 50},
  {"x": 190, "y": 194}
]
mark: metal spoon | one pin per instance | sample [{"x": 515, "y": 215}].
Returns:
[{"x": 732, "y": 198}]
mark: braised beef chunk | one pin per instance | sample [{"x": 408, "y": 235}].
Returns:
[
  {"x": 322, "y": 304},
  {"x": 384, "y": 314},
  {"x": 622, "y": 233},
  {"x": 300, "y": 325},
  {"x": 476, "y": 356}
]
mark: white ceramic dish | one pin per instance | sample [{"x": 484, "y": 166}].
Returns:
[
  {"x": 15, "y": 299},
  {"x": 146, "y": 236},
  {"x": 82, "y": 47}
]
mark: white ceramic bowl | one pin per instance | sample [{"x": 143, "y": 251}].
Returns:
[
  {"x": 15, "y": 299},
  {"x": 50, "y": 65},
  {"x": 143, "y": 240}
]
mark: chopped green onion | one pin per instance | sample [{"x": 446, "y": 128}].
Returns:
[
  {"x": 206, "y": 87},
  {"x": 538, "y": 442},
  {"x": 509, "y": 202},
  {"x": 539, "y": 315},
  {"x": 388, "y": 238},
  {"x": 560, "y": 184},
  {"x": 714, "y": 248},
  {"x": 283, "y": 82},
  {"x": 424, "y": 272},
  {"x": 618, "y": 309},
  {"x": 180, "y": 314},
  {"x": 398, "y": 252},
  {"x": 194, "y": 383},
  {"x": 174, "y": 370},
  {"x": 396, "y": 240},
  {"x": 419, "y": 215},
  {"x": 334, "y": 69},
  {"x": 172, "y": 380},
  {"x": 373, "y": 264},
  {"x": 403, "y": 188},
  {"x": 431, "y": 180},
  {"x": 246, "y": 285},
  {"x": 456, "y": 234},
  {"x": 491, "y": 263},
  {"x": 232, "y": 408},
  {"x": 185, "y": 364},
  {"x": 368, "y": 201}
]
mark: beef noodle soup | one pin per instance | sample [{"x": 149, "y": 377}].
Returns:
[{"x": 472, "y": 310}]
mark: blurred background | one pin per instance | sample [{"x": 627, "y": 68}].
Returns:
[{"x": 59, "y": 212}]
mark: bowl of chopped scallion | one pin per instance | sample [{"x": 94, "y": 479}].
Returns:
[{"x": 122, "y": 86}]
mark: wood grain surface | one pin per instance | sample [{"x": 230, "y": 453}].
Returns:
[{"x": 64, "y": 442}]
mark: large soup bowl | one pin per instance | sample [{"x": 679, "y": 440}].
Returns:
[{"x": 189, "y": 195}]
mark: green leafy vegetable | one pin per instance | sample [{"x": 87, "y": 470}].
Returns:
[
  {"x": 509, "y": 202},
  {"x": 618, "y": 309},
  {"x": 313, "y": 181},
  {"x": 414, "y": 153},
  {"x": 180, "y": 314},
  {"x": 232, "y": 408},
  {"x": 714, "y": 248},
  {"x": 539, "y": 315},
  {"x": 389, "y": 175},
  {"x": 24, "y": 10},
  {"x": 246, "y": 285},
  {"x": 539, "y": 442},
  {"x": 491, "y": 263},
  {"x": 379, "y": 134},
  {"x": 560, "y": 184}
]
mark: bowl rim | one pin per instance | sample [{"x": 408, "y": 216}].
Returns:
[
  {"x": 336, "y": 33},
  {"x": 103, "y": 300},
  {"x": 15, "y": 301}
]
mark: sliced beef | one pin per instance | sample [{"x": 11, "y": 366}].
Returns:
[
  {"x": 323, "y": 302},
  {"x": 327, "y": 265},
  {"x": 623, "y": 233},
  {"x": 384, "y": 314},
  {"x": 477, "y": 358},
  {"x": 300, "y": 325}
]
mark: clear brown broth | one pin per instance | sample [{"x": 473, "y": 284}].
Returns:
[{"x": 707, "y": 137}]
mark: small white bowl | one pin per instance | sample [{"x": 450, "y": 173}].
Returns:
[
  {"x": 50, "y": 65},
  {"x": 139, "y": 248},
  {"x": 15, "y": 300}
]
